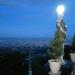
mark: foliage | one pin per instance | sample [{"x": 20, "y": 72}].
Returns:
[
  {"x": 73, "y": 44},
  {"x": 73, "y": 41},
  {"x": 56, "y": 47}
]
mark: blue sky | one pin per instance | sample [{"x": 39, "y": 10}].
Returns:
[{"x": 34, "y": 18}]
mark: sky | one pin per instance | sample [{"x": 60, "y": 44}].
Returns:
[{"x": 34, "y": 18}]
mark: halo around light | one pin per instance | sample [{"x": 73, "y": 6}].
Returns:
[{"x": 60, "y": 9}]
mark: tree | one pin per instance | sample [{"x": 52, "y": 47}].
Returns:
[
  {"x": 73, "y": 43},
  {"x": 56, "y": 48}
]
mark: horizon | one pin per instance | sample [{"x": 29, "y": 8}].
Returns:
[{"x": 67, "y": 40}]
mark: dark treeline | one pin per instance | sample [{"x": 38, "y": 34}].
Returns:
[{"x": 15, "y": 61}]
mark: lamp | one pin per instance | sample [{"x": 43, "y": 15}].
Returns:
[{"x": 60, "y": 10}]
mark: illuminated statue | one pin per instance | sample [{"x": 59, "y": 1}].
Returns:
[{"x": 61, "y": 29}]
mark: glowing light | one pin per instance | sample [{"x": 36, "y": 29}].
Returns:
[{"x": 60, "y": 10}]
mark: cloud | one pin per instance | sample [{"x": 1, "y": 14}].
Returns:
[
  {"x": 39, "y": 1},
  {"x": 22, "y": 3}
]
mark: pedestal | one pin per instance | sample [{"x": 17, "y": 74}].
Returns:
[
  {"x": 73, "y": 73},
  {"x": 73, "y": 60},
  {"x": 50, "y": 73}
]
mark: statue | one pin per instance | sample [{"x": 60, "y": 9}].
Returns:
[{"x": 61, "y": 29}]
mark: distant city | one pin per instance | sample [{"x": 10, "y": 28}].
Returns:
[
  {"x": 27, "y": 42},
  {"x": 31, "y": 52}
]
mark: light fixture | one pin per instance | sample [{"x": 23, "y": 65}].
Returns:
[{"x": 60, "y": 10}]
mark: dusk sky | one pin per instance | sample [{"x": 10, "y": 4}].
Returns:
[{"x": 34, "y": 18}]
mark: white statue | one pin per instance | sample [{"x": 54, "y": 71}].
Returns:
[{"x": 61, "y": 28}]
